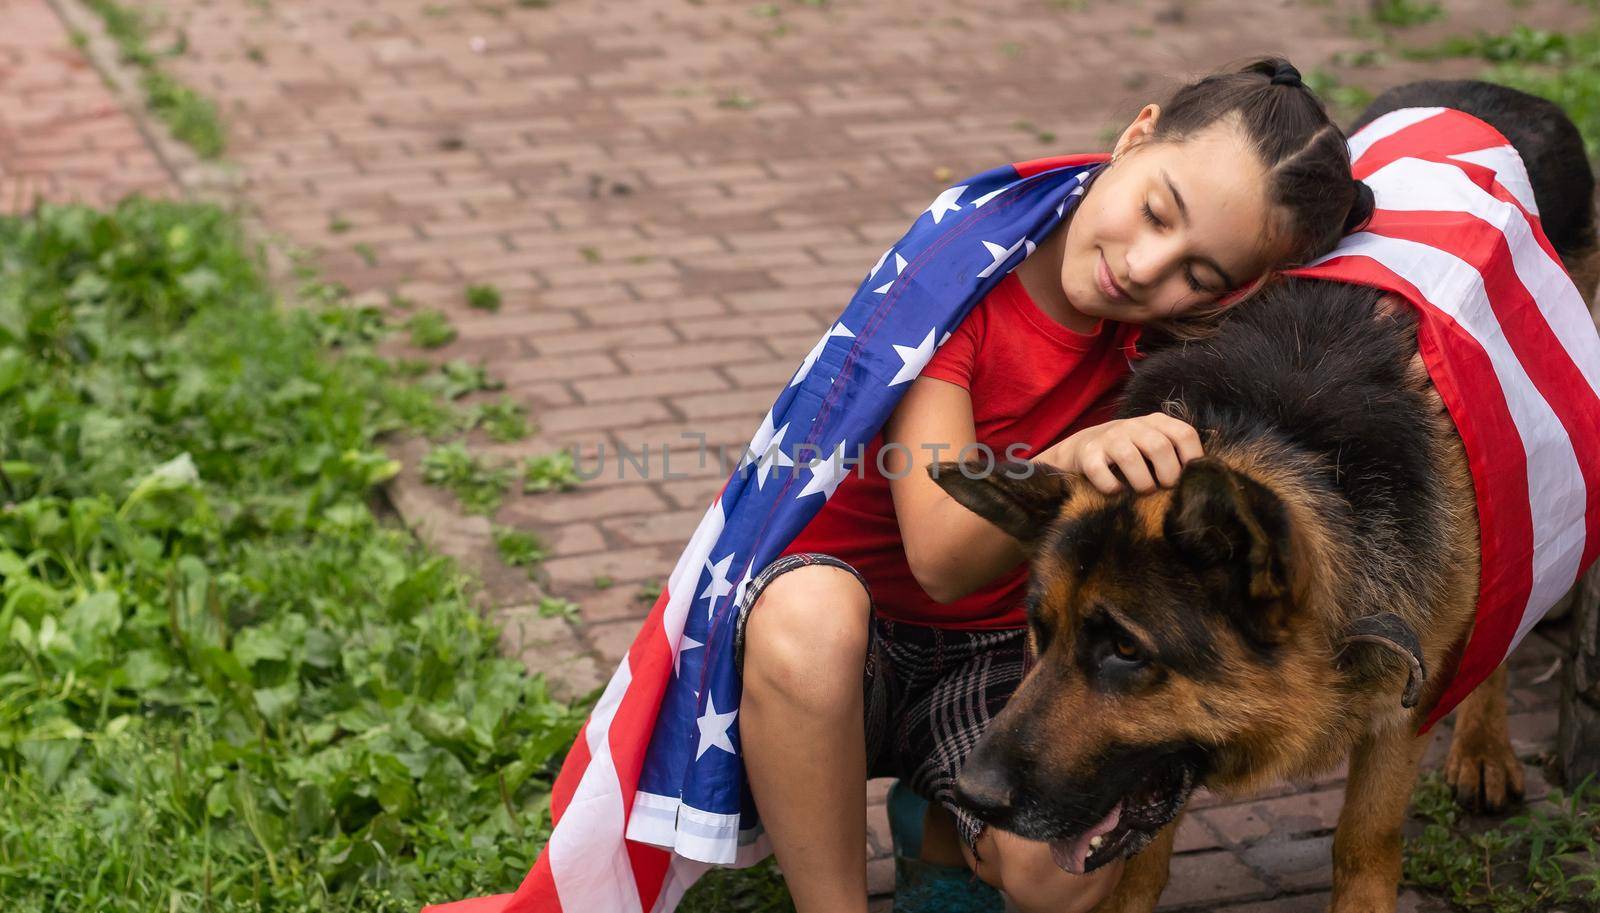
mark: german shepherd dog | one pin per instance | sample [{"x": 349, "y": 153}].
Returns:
[{"x": 1272, "y": 613}]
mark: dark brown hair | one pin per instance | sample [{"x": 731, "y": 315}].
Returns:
[{"x": 1302, "y": 149}]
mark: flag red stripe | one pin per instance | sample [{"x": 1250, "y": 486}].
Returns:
[
  {"x": 651, "y": 659},
  {"x": 1438, "y": 137},
  {"x": 1541, "y": 354},
  {"x": 1501, "y": 484},
  {"x": 539, "y": 892},
  {"x": 1038, "y": 166}
]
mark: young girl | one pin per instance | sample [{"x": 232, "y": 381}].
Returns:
[{"x": 1235, "y": 175}]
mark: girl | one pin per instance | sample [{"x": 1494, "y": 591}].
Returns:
[{"x": 1235, "y": 175}]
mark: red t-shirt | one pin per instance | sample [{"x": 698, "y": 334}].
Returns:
[{"x": 1033, "y": 382}]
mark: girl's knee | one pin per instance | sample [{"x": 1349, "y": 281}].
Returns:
[
  {"x": 808, "y": 630},
  {"x": 1027, "y": 873}
]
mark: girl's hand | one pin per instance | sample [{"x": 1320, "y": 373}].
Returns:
[{"x": 1146, "y": 450}]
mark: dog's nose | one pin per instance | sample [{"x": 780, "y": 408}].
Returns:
[{"x": 985, "y": 789}]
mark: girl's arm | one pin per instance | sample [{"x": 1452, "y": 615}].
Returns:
[{"x": 953, "y": 551}]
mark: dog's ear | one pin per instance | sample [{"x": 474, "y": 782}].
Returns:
[
  {"x": 1235, "y": 533},
  {"x": 1019, "y": 496}
]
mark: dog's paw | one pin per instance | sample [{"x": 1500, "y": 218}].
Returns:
[{"x": 1483, "y": 771}]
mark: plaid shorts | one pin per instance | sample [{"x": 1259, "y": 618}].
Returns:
[{"x": 930, "y": 692}]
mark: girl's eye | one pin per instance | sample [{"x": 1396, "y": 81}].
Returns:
[{"x": 1151, "y": 217}]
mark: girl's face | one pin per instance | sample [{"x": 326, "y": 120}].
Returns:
[{"x": 1168, "y": 226}]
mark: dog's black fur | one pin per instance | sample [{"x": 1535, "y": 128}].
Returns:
[
  {"x": 1315, "y": 384},
  {"x": 1327, "y": 377}
]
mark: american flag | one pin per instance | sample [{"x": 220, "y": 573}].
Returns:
[
  {"x": 653, "y": 791},
  {"x": 1509, "y": 344}
]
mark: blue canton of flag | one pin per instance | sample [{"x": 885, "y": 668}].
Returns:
[{"x": 653, "y": 790}]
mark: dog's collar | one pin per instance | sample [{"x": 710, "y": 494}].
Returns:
[{"x": 1390, "y": 631}]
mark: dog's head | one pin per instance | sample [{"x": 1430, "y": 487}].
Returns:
[{"x": 1172, "y": 650}]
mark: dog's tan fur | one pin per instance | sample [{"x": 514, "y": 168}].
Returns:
[
  {"x": 1384, "y": 753},
  {"x": 1317, "y": 707}
]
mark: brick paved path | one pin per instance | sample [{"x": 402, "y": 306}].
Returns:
[
  {"x": 675, "y": 197},
  {"x": 63, "y": 137}
]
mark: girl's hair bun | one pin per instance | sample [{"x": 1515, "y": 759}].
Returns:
[
  {"x": 1303, "y": 151},
  {"x": 1279, "y": 71},
  {"x": 1360, "y": 209}
]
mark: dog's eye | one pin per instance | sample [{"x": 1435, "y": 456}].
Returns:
[{"x": 1126, "y": 648}]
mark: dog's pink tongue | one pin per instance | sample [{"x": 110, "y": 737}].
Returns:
[{"x": 1072, "y": 854}]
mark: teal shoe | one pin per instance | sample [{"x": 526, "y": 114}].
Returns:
[{"x": 922, "y": 887}]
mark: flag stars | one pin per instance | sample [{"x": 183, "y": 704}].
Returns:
[
  {"x": 991, "y": 195},
  {"x": 685, "y": 644},
  {"x": 826, "y": 475},
  {"x": 914, "y": 358},
  {"x": 719, "y": 586},
  {"x": 837, "y": 329},
  {"x": 744, "y": 582},
  {"x": 766, "y": 451},
  {"x": 714, "y": 728},
  {"x": 1001, "y": 254},
  {"x": 946, "y": 203},
  {"x": 879, "y": 265},
  {"x": 899, "y": 267}
]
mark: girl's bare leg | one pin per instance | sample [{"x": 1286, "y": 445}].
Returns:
[{"x": 801, "y": 726}]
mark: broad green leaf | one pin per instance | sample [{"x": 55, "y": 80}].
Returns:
[{"x": 143, "y": 669}]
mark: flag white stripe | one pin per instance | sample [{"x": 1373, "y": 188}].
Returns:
[
  {"x": 1555, "y": 484},
  {"x": 1387, "y": 126},
  {"x": 1399, "y": 186},
  {"x": 654, "y": 819},
  {"x": 1508, "y": 171},
  {"x": 680, "y": 877},
  {"x": 707, "y": 836},
  {"x": 680, "y": 585},
  {"x": 589, "y": 861},
  {"x": 1413, "y": 184}
]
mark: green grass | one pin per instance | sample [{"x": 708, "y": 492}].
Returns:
[
  {"x": 479, "y": 486},
  {"x": 758, "y": 889},
  {"x": 1563, "y": 67},
  {"x": 1542, "y": 860},
  {"x": 503, "y": 420},
  {"x": 483, "y": 297},
  {"x": 430, "y": 329},
  {"x": 225, "y": 683},
  {"x": 1406, "y": 13},
  {"x": 458, "y": 377},
  {"x": 549, "y": 472},
  {"x": 1346, "y": 101},
  {"x": 556, "y": 607},
  {"x": 192, "y": 118},
  {"x": 519, "y": 548}
]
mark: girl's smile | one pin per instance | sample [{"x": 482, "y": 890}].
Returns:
[{"x": 1108, "y": 283}]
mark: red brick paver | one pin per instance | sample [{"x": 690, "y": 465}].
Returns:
[
  {"x": 63, "y": 137},
  {"x": 674, "y": 197}
]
